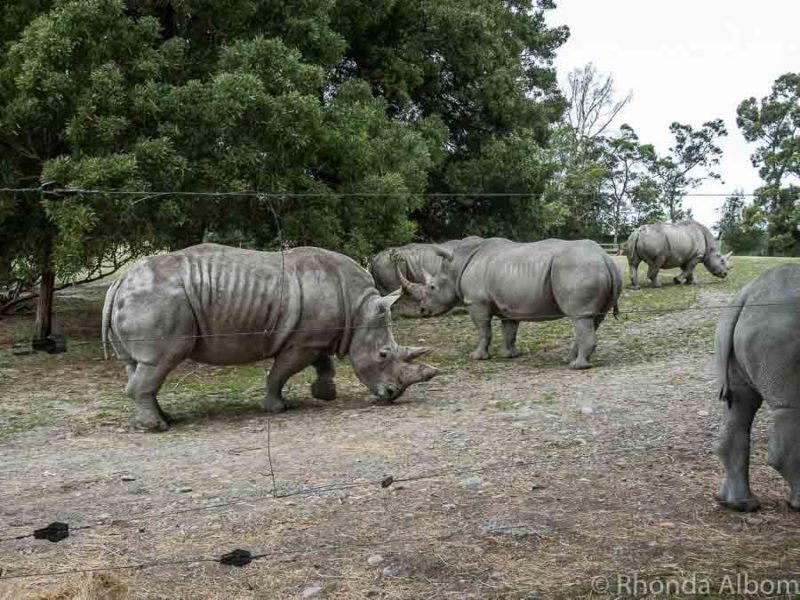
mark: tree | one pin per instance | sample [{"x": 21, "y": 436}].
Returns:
[
  {"x": 690, "y": 161},
  {"x": 480, "y": 67},
  {"x": 625, "y": 158},
  {"x": 170, "y": 97},
  {"x": 741, "y": 226},
  {"x": 774, "y": 124},
  {"x": 578, "y": 151},
  {"x": 592, "y": 104}
]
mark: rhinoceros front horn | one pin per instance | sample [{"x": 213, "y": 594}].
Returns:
[
  {"x": 409, "y": 353},
  {"x": 412, "y": 374},
  {"x": 415, "y": 290}
]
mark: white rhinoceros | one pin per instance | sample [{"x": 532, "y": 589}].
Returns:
[
  {"x": 758, "y": 359},
  {"x": 669, "y": 245},
  {"x": 538, "y": 281},
  {"x": 226, "y": 306},
  {"x": 412, "y": 260}
]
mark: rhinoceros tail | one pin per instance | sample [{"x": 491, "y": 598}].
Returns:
[
  {"x": 108, "y": 308},
  {"x": 616, "y": 282},
  {"x": 630, "y": 249},
  {"x": 723, "y": 344}
]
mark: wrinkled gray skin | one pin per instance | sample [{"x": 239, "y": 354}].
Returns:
[
  {"x": 758, "y": 359},
  {"x": 538, "y": 281},
  {"x": 324, "y": 304},
  {"x": 669, "y": 245},
  {"x": 414, "y": 259}
]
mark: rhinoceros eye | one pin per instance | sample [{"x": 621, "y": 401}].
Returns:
[{"x": 384, "y": 353}]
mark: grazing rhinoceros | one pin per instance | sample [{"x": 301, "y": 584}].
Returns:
[
  {"x": 412, "y": 260},
  {"x": 538, "y": 281},
  {"x": 226, "y": 306},
  {"x": 758, "y": 358},
  {"x": 670, "y": 245}
]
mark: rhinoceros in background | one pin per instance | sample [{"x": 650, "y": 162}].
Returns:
[
  {"x": 412, "y": 260},
  {"x": 226, "y": 306},
  {"x": 670, "y": 245},
  {"x": 757, "y": 359},
  {"x": 538, "y": 281}
]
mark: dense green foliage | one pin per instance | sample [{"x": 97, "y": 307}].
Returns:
[
  {"x": 360, "y": 107},
  {"x": 773, "y": 123}
]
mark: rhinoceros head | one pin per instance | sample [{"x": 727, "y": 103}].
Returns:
[
  {"x": 717, "y": 263},
  {"x": 378, "y": 361},
  {"x": 436, "y": 294}
]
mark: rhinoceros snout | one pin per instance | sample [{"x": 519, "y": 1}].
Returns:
[{"x": 388, "y": 392}]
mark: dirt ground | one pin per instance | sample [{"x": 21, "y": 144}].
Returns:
[{"x": 523, "y": 479}]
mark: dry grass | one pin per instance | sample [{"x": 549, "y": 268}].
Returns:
[{"x": 86, "y": 586}]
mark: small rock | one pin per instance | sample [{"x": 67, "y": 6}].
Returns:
[
  {"x": 312, "y": 591},
  {"x": 448, "y": 506},
  {"x": 374, "y": 560},
  {"x": 473, "y": 481},
  {"x": 703, "y": 413},
  {"x": 185, "y": 490},
  {"x": 128, "y": 478},
  {"x": 587, "y": 410},
  {"x": 392, "y": 571}
]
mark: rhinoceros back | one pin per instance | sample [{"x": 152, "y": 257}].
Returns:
[{"x": 239, "y": 305}]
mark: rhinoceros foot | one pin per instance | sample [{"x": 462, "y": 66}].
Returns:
[
  {"x": 506, "y": 353},
  {"x": 273, "y": 405},
  {"x": 750, "y": 504},
  {"x": 479, "y": 354},
  {"x": 150, "y": 421},
  {"x": 677, "y": 280},
  {"x": 323, "y": 389},
  {"x": 580, "y": 365}
]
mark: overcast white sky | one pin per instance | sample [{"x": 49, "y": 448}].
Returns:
[{"x": 689, "y": 61}]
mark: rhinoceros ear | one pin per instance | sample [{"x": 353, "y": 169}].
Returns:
[
  {"x": 443, "y": 252},
  {"x": 427, "y": 277},
  {"x": 384, "y": 303}
]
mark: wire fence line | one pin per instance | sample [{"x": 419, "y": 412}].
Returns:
[{"x": 330, "y": 194}]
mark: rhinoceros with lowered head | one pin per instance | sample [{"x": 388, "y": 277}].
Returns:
[
  {"x": 669, "y": 245},
  {"x": 226, "y": 306},
  {"x": 758, "y": 360},
  {"x": 412, "y": 260},
  {"x": 516, "y": 282}
]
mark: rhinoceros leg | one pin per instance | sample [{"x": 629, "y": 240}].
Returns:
[
  {"x": 653, "y": 269},
  {"x": 634, "y": 271},
  {"x": 784, "y": 450},
  {"x": 324, "y": 388},
  {"x": 585, "y": 342},
  {"x": 289, "y": 362},
  {"x": 687, "y": 272},
  {"x": 510, "y": 328},
  {"x": 734, "y": 447},
  {"x": 482, "y": 318},
  {"x": 144, "y": 381}
]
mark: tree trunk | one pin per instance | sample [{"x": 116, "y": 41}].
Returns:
[
  {"x": 44, "y": 312},
  {"x": 44, "y": 307}
]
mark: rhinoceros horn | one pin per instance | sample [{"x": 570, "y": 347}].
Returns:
[
  {"x": 443, "y": 252},
  {"x": 728, "y": 256},
  {"x": 415, "y": 290},
  {"x": 409, "y": 353},
  {"x": 412, "y": 374}
]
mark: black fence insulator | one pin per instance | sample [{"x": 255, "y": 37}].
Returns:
[
  {"x": 387, "y": 481},
  {"x": 55, "y": 532},
  {"x": 237, "y": 558}
]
